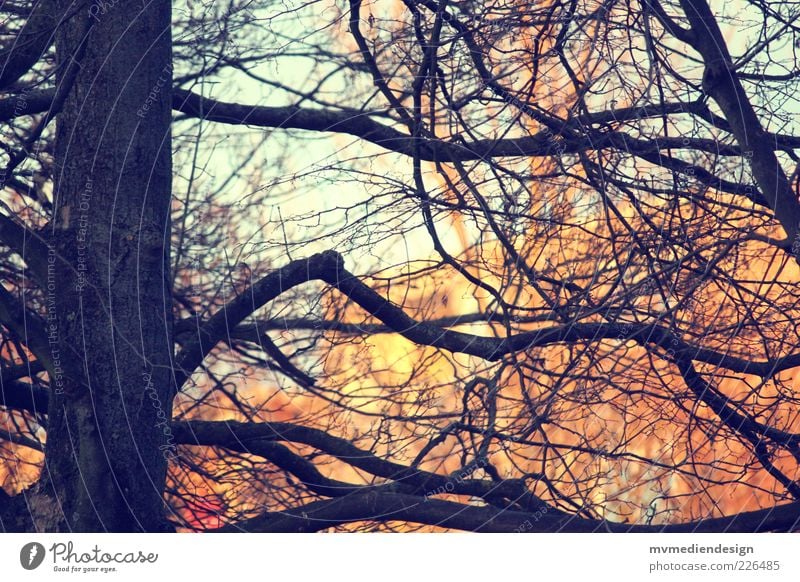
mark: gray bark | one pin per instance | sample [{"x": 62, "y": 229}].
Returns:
[{"x": 109, "y": 414}]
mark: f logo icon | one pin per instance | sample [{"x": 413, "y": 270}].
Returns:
[{"x": 31, "y": 555}]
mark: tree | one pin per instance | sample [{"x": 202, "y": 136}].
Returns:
[{"x": 495, "y": 266}]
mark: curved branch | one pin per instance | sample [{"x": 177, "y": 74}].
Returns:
[
  {"x": 254, "y": 437},
  {"x": 226, "y": 319},
  {"x": 329, "y": 267}
]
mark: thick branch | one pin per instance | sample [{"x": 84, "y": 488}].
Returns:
[
  {"x": 383, "y": 507},
  {"x": 668, "y": 23},
  {"x": 22, "y": 396},
  {"x": 721, "y": 83},
  {"x": 645, "y": 334},
  {"x": 26, "y": 326},
  {"x": 359, "y": 124},
  {"x": 727, "y": 413},
  {"x": 25, "y": 103},
  {"x": 28, "y": 245},
  {"x": 218, "y": 327},
  {"x": 329, "y": 267},
  {"x": 254, "y": 438},
  {"x": 23, "y": 51}
]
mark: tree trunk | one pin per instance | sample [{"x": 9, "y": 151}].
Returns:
[{"x": 109, "y": 319}]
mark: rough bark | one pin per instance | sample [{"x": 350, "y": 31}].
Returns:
[{"x": 109, "y": 412}]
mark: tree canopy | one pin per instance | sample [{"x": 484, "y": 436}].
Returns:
[{"x": 401, "y": 264}]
